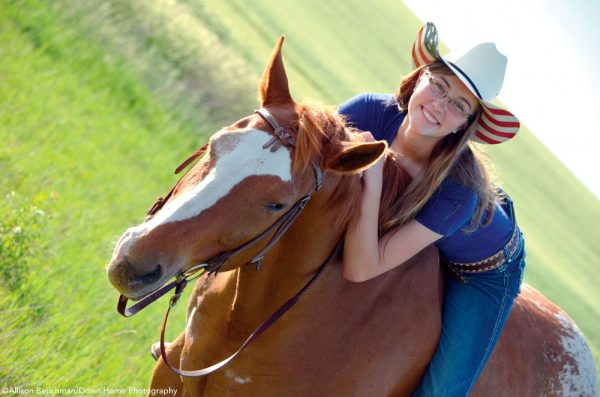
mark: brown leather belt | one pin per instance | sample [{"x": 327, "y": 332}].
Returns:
[{"x": 489, "y": 263}]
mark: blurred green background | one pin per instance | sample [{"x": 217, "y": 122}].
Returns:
[{"x": 99, "y": 101}]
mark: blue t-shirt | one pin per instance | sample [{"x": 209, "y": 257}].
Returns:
[{"x": 451, "y": 207}]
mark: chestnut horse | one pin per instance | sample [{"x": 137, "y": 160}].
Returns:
[{"x": 341, "y": 339}]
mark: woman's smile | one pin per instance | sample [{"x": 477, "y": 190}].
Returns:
[{"x": 429, "y": 116}]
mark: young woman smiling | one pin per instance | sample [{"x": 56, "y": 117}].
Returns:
[{"x": 439, "y": 110}]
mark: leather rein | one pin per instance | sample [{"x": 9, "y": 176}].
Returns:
[{"x": 213, "y": 265}]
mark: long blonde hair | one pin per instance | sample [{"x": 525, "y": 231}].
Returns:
[{"x": 454, "y": 156}]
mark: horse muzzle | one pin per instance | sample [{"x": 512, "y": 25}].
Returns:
[{"x": 134, "y": 283}]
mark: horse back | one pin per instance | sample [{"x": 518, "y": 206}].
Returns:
[{"x": 541, "y": 352}]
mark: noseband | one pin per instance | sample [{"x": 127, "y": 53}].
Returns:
[{"x": 280, "y": 138}]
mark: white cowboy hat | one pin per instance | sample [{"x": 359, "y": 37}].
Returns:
[{"x": 481, "y": 69}]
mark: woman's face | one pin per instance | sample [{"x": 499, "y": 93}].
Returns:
[{"x": 440, "y": 104}]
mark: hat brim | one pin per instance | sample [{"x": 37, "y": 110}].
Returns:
[{"x": 495, "y": 125}]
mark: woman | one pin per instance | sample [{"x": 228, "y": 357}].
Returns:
[{"x": 438, "y": 110}]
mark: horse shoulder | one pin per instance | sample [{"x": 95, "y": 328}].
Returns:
[{"x": 381, "y": 321}]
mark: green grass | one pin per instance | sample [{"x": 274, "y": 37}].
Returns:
[
  {"x": 100, "y": 101},
  {"x": 80, "y": 131}
]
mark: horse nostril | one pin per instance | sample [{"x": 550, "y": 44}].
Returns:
[{"x": 147, "y": 279}]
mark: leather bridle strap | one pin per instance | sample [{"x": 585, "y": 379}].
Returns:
[
  {"x": 160, "y": 202},
  {"x": 282, "y": 137},
  {"x": 145, "y": 301},
  {"x": 214, "y": 264},
  {"x": 261, "y": 328}
]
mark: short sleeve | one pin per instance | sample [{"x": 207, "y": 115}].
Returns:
[
  {"x": 364, "y": 112},
  {"x": 449, "y": 209}
]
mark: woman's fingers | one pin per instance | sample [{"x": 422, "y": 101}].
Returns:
[{"x": 366, "y": 136}]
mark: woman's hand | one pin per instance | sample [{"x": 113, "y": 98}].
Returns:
[{"x": 373, "y": 176}]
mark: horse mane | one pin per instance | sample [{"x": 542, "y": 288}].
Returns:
[{"x": 321, "y": 129}]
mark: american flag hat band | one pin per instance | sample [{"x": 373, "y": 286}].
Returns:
[{"x": 481, "y": 69}]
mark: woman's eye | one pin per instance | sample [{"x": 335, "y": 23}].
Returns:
[
  {"x": 275, "y": 206},
  {"x": 440, "y": 89},
  {"x": 460, "y": 106}
]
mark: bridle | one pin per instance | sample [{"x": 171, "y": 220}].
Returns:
[{"x": 213, "y": 265}]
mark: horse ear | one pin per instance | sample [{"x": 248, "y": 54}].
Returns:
[
  {"x": 353, "y": 157},
  {"x": 273, "y": 87}
]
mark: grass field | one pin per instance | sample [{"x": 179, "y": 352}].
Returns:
[{"x": 101, "y": 100}]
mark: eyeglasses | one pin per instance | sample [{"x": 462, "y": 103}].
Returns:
[{"x": 458, "y": 106}]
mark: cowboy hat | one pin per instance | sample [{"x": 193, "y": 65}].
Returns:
[{"x": 481, "y": 69}]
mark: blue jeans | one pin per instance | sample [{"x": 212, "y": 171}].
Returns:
[{"x": 473, "y": 316}]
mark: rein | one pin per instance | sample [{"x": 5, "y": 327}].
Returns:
[
  {"x": 261, "y": 328},
  {"x": 213, "y": 265}
]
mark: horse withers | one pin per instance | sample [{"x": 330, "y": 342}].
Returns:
[{"x": 341, "y": 339}]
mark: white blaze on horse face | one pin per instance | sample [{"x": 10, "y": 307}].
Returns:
[{"x": 239, "y": 155}]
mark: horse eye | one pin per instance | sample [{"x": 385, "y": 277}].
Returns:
[{"x": 275, "y": 206}]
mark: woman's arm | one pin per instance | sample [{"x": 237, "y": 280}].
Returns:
[
  {"x": 390, "y": 251},
  {"x": 361, "y": 245},
  {"x": 367, "y": 256}
]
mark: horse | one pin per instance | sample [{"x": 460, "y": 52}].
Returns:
[{"x": 373, "y": 338}]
